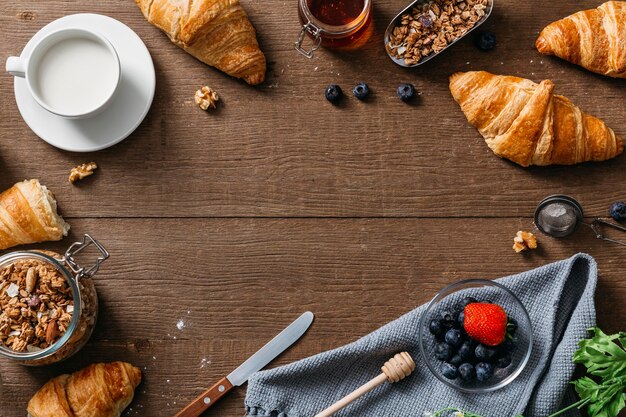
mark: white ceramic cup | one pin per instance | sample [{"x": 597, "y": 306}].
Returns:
[{"x": 73, "y": 73}]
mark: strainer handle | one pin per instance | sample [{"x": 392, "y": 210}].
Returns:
[
  {"x": 596, "y": 226},
  {"x": 76, "y": 248}
]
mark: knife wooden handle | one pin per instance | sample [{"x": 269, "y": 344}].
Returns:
[{"x": 207, "y": 399}]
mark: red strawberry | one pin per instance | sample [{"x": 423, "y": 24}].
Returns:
[{"x": 485, "y": 323}]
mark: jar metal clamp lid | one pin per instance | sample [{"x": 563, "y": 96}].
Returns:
[{"x": 73, "y": 272}]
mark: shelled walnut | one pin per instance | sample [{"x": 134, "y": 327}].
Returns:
[
  {"x": 82, "y": 171},
  {"x": 206, "y": 98},
  {"x": 524, "y": 241}
]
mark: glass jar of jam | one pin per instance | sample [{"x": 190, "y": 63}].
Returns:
[
  {"x": 49, "y": 304},
  {"x": 336, "y": 24}
]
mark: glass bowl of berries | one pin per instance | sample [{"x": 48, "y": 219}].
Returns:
[{"x": 475, "y": 336}]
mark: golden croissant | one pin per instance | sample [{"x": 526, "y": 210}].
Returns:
[
  {"x": 217, "y": 32},
  {"x": 529, "y": 124},
  {"x": 100, "y": 390},
  {"x": 28, "y": 214},
  {"x": 594, "y": 39}
]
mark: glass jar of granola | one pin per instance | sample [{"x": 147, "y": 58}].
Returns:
[{"x": 48, "y": 304}]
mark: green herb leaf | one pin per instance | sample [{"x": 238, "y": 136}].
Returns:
[{"x": 601, "y": 355}]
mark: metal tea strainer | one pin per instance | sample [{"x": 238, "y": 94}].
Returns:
[{"x": 560, "y": 215}]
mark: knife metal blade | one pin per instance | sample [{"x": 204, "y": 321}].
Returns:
[
  {"x": 272, "y": 349},
  {"x": 260, "y": 359}
]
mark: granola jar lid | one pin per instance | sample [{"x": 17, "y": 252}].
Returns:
[{"x": 72, "y": 272}]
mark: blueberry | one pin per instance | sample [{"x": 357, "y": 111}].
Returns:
[
  {"x": 443, "y": 352},
  {"x": 456, "y": 360},
  {"x": 468, "y": 300},
  {"x": 507, "y": 346},
  {"x": 465, "y": 351},
  {"x": 361, "y": 91},
  {"x": 486, "y": 41},
  {"x": 484, "y": 371},
  {"x": 333, "y": 93},
  {"x": 461, "y": 319},
  {"x": 449, "y": 371},
  {"x": 435, "y": 328},
  {"x": 618, "y": 211},
  {"x": 406, "y": 92},
  {"x": 447, "y": 320},
  {"x": 467, "y": 371},
  {"x": 454, "y": 337},
  {"x": 484, "y": 353},
  {"x": 503, "y": 361}
]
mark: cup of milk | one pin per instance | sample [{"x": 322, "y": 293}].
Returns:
[{"x": 72, "y": 72}]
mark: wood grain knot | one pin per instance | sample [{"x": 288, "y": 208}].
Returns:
[
  {"x": 141, "y": 345},
  {"x": 398, "y": 367},
  {"x": 26, "y": 15}
]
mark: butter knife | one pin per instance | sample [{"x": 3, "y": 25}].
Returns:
[{"x": 255, "y": 363}]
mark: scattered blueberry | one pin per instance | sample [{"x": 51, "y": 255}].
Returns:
[
  {"x": 465, "y": 351},
  {"x": 618, "y": 211},
  {"x": 484, "y": 353},
  {"x": 454, "y": 337},
  {"x": 361, "y": 91},
  {"x": 456, "y": 360},
  {"x": 406, "y": 92},
  {"x": 484, "y": 371},
  {"x": 467, "y": 371},
  {"x": 333, "y": 93},
  {"x": 435, "y": 328},
  {"x": 503, "y": 361},
  {"x": 443, "y": 352},
  {"x": 486, "y": 41},
  {"x": 449, "y": 371}
]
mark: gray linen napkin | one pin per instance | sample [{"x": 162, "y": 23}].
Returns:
[{"x": 559, "y": 300}]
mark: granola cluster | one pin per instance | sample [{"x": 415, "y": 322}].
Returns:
[
  {"x": 432, "y": 26},
  {"x": 36, "y": 305}
]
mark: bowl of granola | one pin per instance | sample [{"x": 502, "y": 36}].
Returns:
[
  {"x": 426, "y": 28},
  {"x": 48, "y": 304}
]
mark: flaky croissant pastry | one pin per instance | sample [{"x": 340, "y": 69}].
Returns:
[
  {"x": 100, "y": 390},
  {"x": 529, "y": 124},
  {"x": 217, "y": 32},
  {"x": 594, "y": 39},
  {"x": 28, "y": 214}
]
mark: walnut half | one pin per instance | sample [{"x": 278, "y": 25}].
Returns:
[
  {"x": 82, "y": 171},
  {"x": 206, "y": 97},
  {"x": 524, "y": 241}
]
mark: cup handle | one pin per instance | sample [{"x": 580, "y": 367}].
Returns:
[{"x": 15, "y": 67}]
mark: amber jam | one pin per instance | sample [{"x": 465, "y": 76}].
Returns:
[{"x": 339, "y": 24}]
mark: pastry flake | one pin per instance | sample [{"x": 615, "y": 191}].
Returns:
[{"x": 82, "y": 171}]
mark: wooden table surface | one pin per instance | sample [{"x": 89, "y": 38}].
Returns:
[{"x": 235, "y": 222}]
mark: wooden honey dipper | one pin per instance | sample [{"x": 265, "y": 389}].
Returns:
[{"x": 394, "y": 370}]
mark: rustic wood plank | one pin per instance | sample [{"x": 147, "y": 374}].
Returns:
[
  {"x": 236, "y": 282},
  {"x": 282, "y": 150}
]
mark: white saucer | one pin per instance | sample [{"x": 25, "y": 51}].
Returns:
[{"x": 126, "y": 112}]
